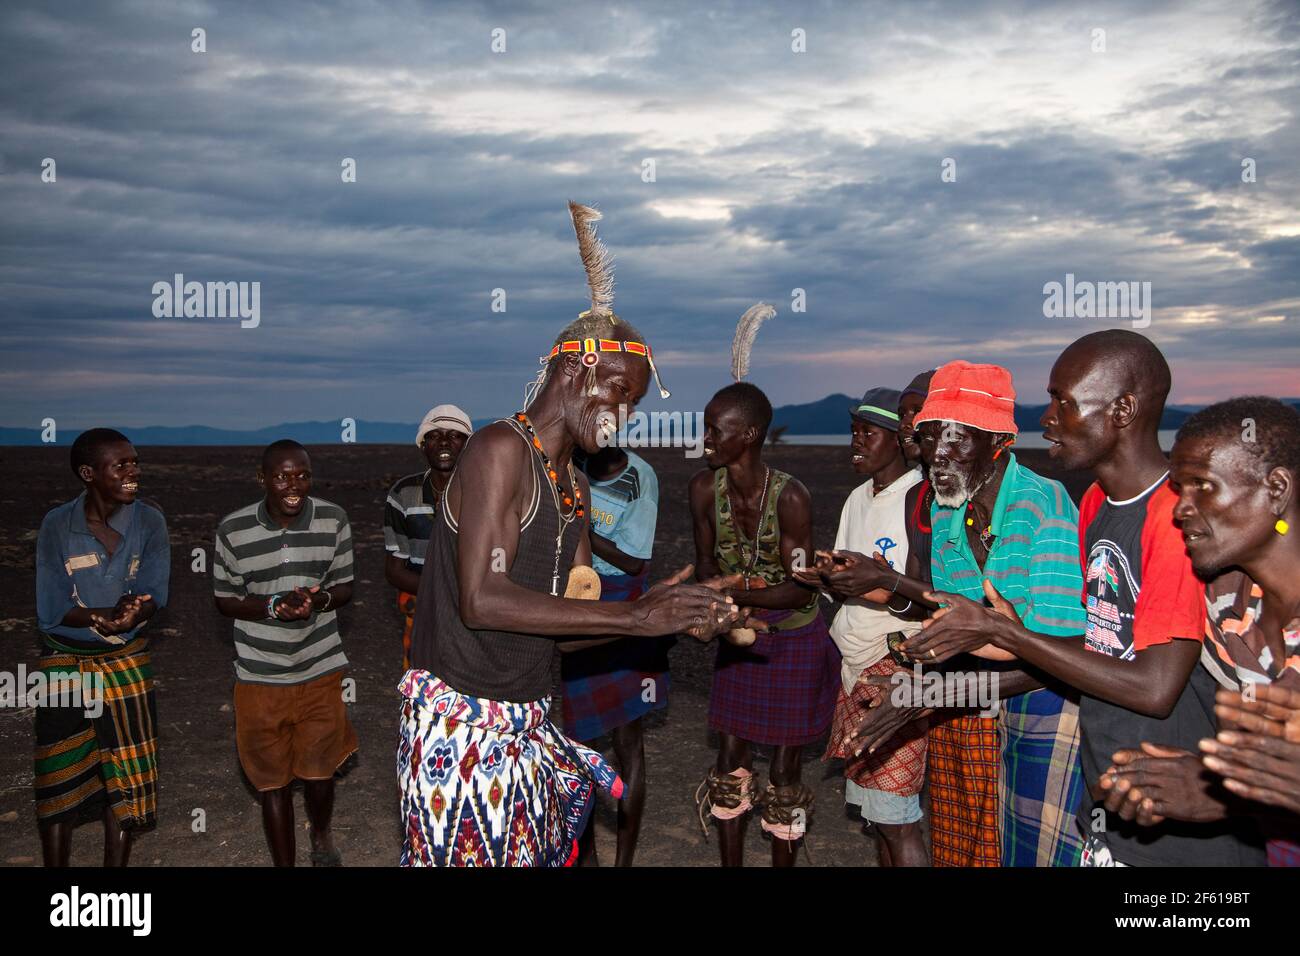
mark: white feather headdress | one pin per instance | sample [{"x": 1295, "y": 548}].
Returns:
[
  {"x": 746, "y": 332},
  {"x": 596, "y": 260}
]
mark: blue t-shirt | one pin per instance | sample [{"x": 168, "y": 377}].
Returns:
[
  {"x": 625, "y": 509},
  {"x": 73, "y": 569}
]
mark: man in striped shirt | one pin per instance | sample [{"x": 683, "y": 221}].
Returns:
[
  {"x": 282, "y": 568},
  {"x": 1002, "y": 532},
  {"x": 412, "y": 505}
]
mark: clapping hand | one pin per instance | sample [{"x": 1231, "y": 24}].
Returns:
[
  {"x": 1257, "y": 749},
  {"x": 125, "y": 616},
  {"x": 961, "y": 626}
]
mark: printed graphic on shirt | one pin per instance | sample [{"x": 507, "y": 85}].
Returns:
[
  {"x": 624, "y": 509},
  {"x": 884, "y": 545},
  {"x": 1112, "y": 596}
]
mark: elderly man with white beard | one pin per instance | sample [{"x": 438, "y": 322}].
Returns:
[{"x": 1005, "y": 535}]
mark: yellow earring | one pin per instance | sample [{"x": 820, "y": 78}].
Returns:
[{"x": 1281, "y": 527}]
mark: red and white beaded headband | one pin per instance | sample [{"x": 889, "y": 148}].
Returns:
[{"x": 589, "y": 349}]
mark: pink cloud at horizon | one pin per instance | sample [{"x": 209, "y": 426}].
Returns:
[{"x": 1201, "y": 381}]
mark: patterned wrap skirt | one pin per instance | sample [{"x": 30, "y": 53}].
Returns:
[
  {"x": 1041, "y": 783},
  {"x": 490, "y": 783},
  {"x": 611, "y": 685},
  {"x": 965, "y": 756},
  {"x": 898, "y": 765},
  {"x": 781, "y": 689},
  {"x": 100, "y": 748}
]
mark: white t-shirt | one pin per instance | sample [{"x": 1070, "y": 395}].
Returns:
[{"x": 869, "y": 523}]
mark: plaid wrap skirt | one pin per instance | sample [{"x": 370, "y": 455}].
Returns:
[
  {"x": 781, "y": 689},
  {"x": 614, "y": 684},
  {"x": 93, "y": 749},
  {"x": 898, "y": 766},
  {"x": 965, "y": 754}
]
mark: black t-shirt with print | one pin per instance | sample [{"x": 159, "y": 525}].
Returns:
[{"x": 1137, "y": 600}]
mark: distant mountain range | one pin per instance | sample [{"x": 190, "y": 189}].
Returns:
[
  {"x": 828, "y": 416},
  {"x": 309, "y": 433}
]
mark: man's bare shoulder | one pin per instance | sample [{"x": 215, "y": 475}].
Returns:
[
  {"x": 494, "y": 466},
  {"x": 700, "y": 480},
  {"x": 796, "y": 490},
  {"x": 495, "y": 445},
  {"x": 794, "y": 496}
]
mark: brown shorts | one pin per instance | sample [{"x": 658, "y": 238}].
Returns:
[{"x": 292, "y": 731}]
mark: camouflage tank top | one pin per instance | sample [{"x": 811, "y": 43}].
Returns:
[{"x": 734, "y": 552}]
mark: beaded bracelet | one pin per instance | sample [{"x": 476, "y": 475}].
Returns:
[{"x": 270, "y": 604}]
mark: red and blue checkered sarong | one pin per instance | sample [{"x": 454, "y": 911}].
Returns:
[
  {"x": 781, "y": 689},
  {"x": 614, "y": 684}
]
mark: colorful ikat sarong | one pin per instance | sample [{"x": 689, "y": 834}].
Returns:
[{"x": 490, "y": 783}]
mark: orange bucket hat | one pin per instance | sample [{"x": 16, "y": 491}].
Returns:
[{"x": 979, "y": 396}]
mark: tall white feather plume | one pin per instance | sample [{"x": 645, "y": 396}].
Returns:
[
  {"x": 746, "y": 332},
  {"x": 596, "y": 260}
]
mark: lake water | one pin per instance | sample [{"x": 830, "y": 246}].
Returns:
[{"x": 1023, "y": 440}]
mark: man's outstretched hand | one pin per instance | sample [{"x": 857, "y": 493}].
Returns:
[
  {"x": 701, "y": 610},
  {"x": 1268, "y": 709},
  {"x": 961, "y": 626},
  {"x": 848, "y": 575},
  {"x": 813, "y": 574}
]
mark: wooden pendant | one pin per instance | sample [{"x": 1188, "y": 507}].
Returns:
[{"x": 584, "y": 584}]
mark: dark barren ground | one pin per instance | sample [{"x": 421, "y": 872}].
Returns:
[{"x": 193, "y": 651}]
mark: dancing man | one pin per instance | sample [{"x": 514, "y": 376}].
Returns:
[
  {"x": 885, "y": 786},
  {"x": 1236, "y": 468},
  {"x": 486, "y": 778}
]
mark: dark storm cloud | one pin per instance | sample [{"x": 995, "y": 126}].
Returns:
[{"x": 775, "y": 171}]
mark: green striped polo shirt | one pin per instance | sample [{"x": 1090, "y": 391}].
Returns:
[
  {"x": 1034, "y": 563},
  {"x": 255, "y": 556}
]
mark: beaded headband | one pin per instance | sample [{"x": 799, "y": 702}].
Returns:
[
  {"x": 591, "y": 348},
  {"x": 599, "y": 267}
]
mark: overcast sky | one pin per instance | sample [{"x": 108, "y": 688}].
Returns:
[{"x": 774, "y": 170}]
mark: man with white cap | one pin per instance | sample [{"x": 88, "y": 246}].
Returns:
[
  {"x": 412, "y": 503},
  {"x": 885, "y": 786}
]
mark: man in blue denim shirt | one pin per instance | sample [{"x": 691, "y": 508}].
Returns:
[{"x": 102, "y": 568}]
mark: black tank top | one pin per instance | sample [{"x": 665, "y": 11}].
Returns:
[{"x": 498, "y": 665}]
